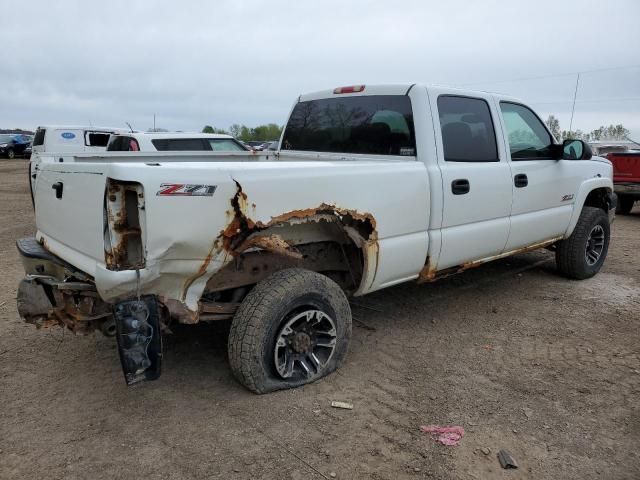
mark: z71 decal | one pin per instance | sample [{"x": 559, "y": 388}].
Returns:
[
  {"x": 566, "y": 198},
  {"x": 186, "y": 190}
]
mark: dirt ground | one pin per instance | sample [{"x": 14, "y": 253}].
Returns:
[{"x": 523, "y": 359}]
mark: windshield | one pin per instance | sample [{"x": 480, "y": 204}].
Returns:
[{"x": 372, "y": 124}]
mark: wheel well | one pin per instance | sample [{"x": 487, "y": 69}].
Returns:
[
  {"x": 598, "y": 198},
  {"x": 327, "y": 243}
]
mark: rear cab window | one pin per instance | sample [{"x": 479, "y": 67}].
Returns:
[
  {"x": 468, "y": 133},
  {"x": 371, "y": 124}
]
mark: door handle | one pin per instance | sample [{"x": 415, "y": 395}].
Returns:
[
  {"x": 520, "y": 180},
  {"x": 460, "y": 186},
  {"x": 58, "y": 187}
]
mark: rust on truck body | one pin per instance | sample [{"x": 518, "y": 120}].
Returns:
[
  {"x": 124, "y": 248},
  {"x": 250, "y": 250},
  {"x": 430, "y": 273}
]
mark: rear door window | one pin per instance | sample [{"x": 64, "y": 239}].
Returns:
[
  {"x": 372, "y": 124},
  {"x": 468, "y": 134}
]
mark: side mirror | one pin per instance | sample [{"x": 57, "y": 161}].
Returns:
[{"x": 576, "y": 150}]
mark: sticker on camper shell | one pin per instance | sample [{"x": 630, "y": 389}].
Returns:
[
  {"x": 185, "y": 190},
  {"x": 68, "y": 135}
]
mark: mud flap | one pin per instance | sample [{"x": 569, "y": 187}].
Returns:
[{"x": 139, "y": 339}]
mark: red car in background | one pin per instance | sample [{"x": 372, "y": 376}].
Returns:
[{"x": 626, "y": 179}]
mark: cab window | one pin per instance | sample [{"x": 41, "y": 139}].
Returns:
[
  {"x": 179, "y": 144},
  {"x": 528, "y": 137},
  {"x": 467, "y": 129},
  {"x": 368, "y": 124}
]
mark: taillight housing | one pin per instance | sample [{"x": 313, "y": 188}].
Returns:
[{"x": 123, "y": 225}]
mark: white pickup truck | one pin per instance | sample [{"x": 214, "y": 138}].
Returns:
[{"x": 373, "y": 186}]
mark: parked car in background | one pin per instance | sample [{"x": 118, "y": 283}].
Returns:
[
  {"x": 626, "y": 179},
  {"x": 167, "y": 141},
  {"x": 255, "y": 145},
  {"x": 71, "y": 139},
  {"x": 271, "y": 146},
  {"x": 13, "y": 145}
]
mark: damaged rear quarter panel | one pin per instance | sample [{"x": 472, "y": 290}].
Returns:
[{"x": 187, "y": 237}]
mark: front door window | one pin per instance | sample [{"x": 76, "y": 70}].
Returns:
[{"x": 528, "y": 138}]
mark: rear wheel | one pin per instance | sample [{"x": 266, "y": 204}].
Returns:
[
  {"x": 625, "y": 205},
  {"x": 582, "y": 254},
  {"x": 293, "y": 328}
]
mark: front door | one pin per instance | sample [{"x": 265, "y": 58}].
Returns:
[
  {"x": 544, "y": 187},
  {"x": 476, "y": 180}
]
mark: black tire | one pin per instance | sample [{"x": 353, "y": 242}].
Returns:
[
  {"x": 625, "y": 205},
  {"x": 11, "y": 154},
  {"x": 265, "y": 314},
  {"x": 575, "y": 257}
]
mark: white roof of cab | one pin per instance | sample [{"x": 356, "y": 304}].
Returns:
[{"x": 396, "y": 89}]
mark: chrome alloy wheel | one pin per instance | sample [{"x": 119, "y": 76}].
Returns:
[
  {"x": 595, "y": 245},
  {"x": 305, "y": 344}
]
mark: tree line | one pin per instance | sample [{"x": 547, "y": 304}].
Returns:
[
  {"x": 611, "y": 132},
  {"x": 270, "y": 131}
]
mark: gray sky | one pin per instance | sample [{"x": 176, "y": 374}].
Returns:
[{"x": 224, "y": 62}]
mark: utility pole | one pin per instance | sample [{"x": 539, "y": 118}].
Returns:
[
  {"x": 154, "y": 118},
  {"x": 573, "y": 108}
]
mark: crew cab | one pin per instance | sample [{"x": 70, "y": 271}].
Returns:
[
  {"x": 173, "y": 141},
  {"x": 372, "y": 186}
]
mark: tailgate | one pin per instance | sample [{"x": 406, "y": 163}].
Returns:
[
  {"x": 69, "y": 204},
  {"x": 626, "y": 167}
]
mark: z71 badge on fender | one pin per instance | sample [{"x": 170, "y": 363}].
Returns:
[{"x": 186, "y": 190}]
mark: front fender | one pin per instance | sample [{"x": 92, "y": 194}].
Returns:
[{"x": 585, "y": 189}]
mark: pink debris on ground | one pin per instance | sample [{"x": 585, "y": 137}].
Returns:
[{"x": 445, "y": 435}]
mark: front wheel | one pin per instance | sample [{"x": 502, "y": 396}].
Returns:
[
  {"x": 11, "y": 154},
  {"x": 582, "y": 254},
  {"x": 293, "y": 328}
]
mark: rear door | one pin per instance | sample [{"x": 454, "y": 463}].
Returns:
[
  {"x": 476, "y": 178},
  {"x": 544, "y": 187}
]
